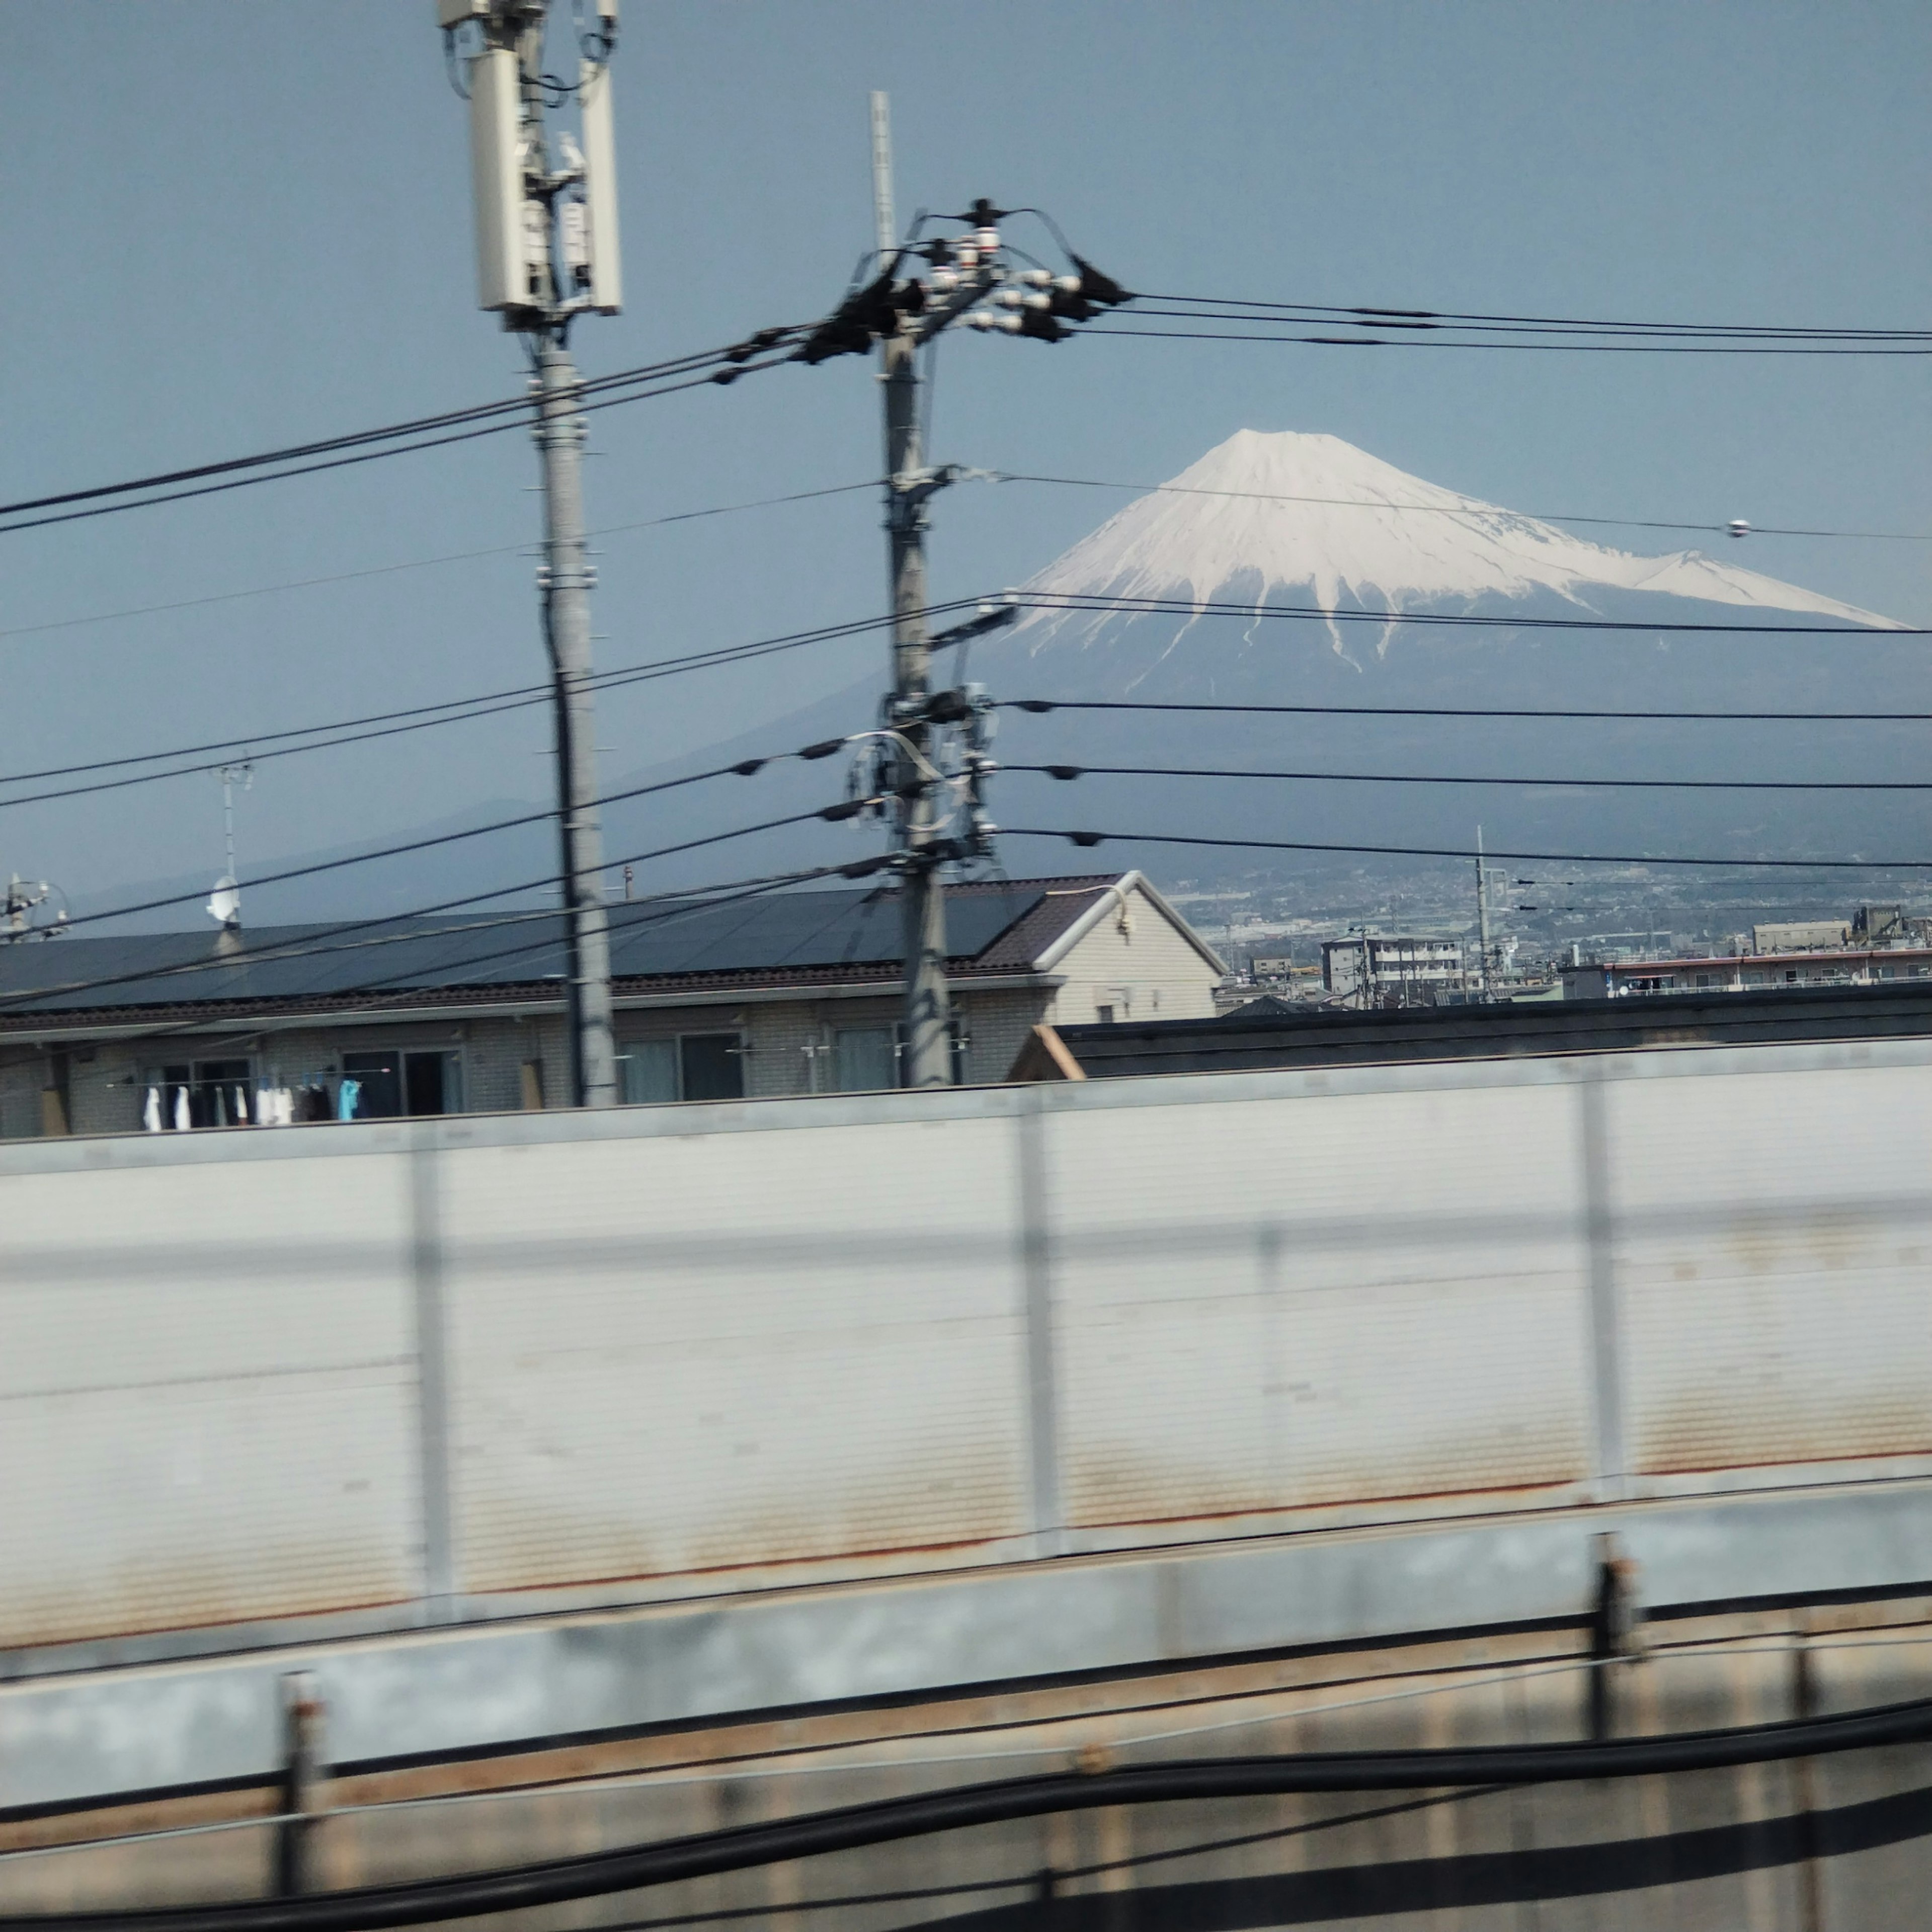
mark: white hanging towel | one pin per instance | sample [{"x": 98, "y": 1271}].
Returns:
[
  {"x": 240, "y": 1106},
  {"x": 183, "y": 1120},
  {"x": 151, "y": 1115}
]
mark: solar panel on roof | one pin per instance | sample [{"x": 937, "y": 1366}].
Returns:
[{"x": 793, "y": 931}]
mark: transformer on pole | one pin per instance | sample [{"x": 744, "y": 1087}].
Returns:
[{"x": 547, "y": 252}]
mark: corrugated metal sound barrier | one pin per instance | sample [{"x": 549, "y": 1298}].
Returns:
[{"x": 477, "y": 1366}]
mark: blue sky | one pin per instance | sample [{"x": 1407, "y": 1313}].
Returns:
[{"x": 236, "y": 227}]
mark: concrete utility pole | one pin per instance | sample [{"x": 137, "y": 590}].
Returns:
[
  {"x": 928, "y": 1047},
  {"x": 546, "y": 252}
]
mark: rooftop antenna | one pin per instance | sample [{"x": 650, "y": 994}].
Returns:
[{"x": 224, "y": 903}]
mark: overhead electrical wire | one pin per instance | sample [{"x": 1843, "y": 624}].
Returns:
[
  {"x": 1473, "y": 509},
  {"x": 1564, "y": 348},
  {"x": 726, "y": 371},
  {"x": 1382, "y": 317},
  {"x": 1100, "y": 604},
  {"x": 514, "y": 407},
  {"x": 744, "y": 768},
  {"x": 926, "y": 1813},
  {"x": 1092, "y": 838},
  {"x": 1045, "y": 704},
  {"x": 425, "y": 717},
  {"x": 528, "y": 547},
  {"x": 1068, "y": 773}
]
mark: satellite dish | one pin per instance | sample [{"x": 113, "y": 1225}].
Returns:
[{"x": 224, "y": 903}]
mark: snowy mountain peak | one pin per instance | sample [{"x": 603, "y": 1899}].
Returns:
[{"x": 1290, "y": 517}]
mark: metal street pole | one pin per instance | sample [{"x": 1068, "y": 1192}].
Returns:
[
  {"x": 547, "y": 252},
  {"x": 928, "y": 1047},
  {"x": 566, "y": 604}
]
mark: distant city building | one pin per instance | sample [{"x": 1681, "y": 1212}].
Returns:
[
  {"x": 1749, "y": 972},
  {"x": 1804, "y": 935},
  {"x": 1404, "y": 969},
  {"x": 1271, "y": 965}
]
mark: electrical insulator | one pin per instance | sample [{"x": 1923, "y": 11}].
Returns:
[
  {"x": 981, "y": 318},
  {"x": 987, "y": 240},
  {"x": 1033, "y": 299},
  {"x": 1012, "y": 324},
  {"x": 1737, "y": 527},
  {"x": 1067, "y": 285},
  {"x": 1037, "y": 278},
  {"x": 1009, "y": 299},
  {"x": 944, "y": 281},
  {"x": 967, "y": 256}
]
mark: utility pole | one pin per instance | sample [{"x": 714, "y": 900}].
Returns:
[
  {"x": 928, "y": 1025},
  {"x": 968, "y": 282},
  {"x": 546, "y": 252}
]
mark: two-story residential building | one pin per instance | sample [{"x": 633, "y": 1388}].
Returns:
[{"x": 797, "y": 992}]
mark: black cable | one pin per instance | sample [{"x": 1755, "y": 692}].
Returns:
[
  {"x": 1477, "y": 510},
  {"x": 747, "y": 767},
  {"x": 443, "y": 419},
  {"x": 460, "y": 710},
  {"x": 921, "y": 1814},
  {"x": 1045, "y": 704},
  {"x": 528, "y": 546},
  {"x": 1077, "y": 601},
  {"x": 1204, "y": 310},
  {"x": 1069, "y": 772},
  {"x": 372, "y": 455},
  {"x": 1372, "y": 315},
  {"x": 1090, "y": 838},
  {"x": 1547, "y": 348}
]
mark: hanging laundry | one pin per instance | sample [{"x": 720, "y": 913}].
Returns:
[
  {"x": 346, "y": 1095},
  {"x": 151, "y": 1115},
  {"x": 184, "y": 1119},
  {"x": 241, "y": 1106}
]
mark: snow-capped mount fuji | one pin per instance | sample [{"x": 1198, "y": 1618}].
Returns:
[
  {"x": 1288, "y": 518},
  {"x": 1281, "y": 523}
]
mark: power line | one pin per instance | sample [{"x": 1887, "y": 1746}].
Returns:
[
  {"x": 424, "y": 563},
  {"x": 512, "y": 406},
  {"x": 1382, "y": 317},
  {"x": 371, "y": 455},
  {"x": 1473, "y": 509},
  {"x": 1067, "y": 772},
  {"x": 1078, "y": 601},
  {"x": 451, "y": 711},
  {"x": 746, "y": 768},
  {"x": 1568, "y": 348},
  {"x": 1045, "y": 704},
  {"x": 1092, "y": 838}
]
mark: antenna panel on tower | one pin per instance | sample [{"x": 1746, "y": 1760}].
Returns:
[
  {"x": 496, "y": 163},
  {"x": 600, "y": 187}
]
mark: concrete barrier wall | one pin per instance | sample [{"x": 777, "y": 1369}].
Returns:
[{"x": 389, "y": 1373}]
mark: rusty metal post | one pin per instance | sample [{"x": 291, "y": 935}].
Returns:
[
  {"x": 1804, "y": 1788},
  {"x": 1613, "y": 1629},
  {"x": 297, "y": 1867}
]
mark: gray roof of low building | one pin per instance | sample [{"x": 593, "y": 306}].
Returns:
[
  {"x": 1247, "y": 1041},
  {"x": 802, "y": 938}
]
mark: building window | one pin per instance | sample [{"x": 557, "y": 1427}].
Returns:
[
  {"x": 871, "y": 1060},
  {"x": 395, "y": 1082},
  {"x": 694, "y": 1066},
  {"x": 20, "y": 1100},
  {"x": 866, "y": 1059},
  {"x": 1104, "y": 1014}
]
